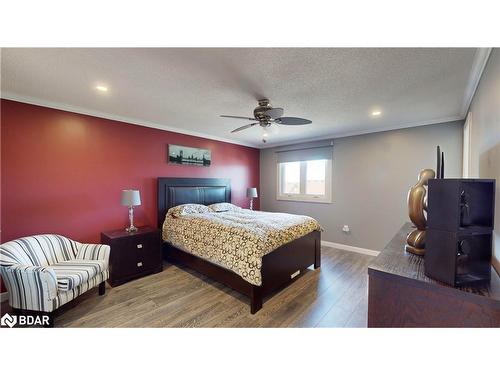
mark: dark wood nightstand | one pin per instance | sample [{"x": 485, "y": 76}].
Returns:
[{"x": 133, "y": 254}]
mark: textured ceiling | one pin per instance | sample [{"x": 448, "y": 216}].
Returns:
[{"x": 187, "y": 89}]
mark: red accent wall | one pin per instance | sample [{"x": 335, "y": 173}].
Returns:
[{"x": 63, "y": 172}]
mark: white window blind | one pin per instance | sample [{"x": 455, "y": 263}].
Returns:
[{"x": 305, "y": 154}]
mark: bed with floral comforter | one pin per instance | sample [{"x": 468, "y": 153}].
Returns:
[{"x": 236, "y": 239}]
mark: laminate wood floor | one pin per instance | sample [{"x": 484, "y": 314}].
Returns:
[{"x": 333, "y": 296}]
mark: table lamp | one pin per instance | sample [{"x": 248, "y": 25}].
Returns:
[
  {"x": 131, "y": 198},
  {"x": 252, "y": 193}
]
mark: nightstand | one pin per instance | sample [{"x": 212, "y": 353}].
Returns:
[{"x": 133, "y": 255}]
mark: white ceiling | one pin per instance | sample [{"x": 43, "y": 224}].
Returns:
[{"x": 186, "y": 90}]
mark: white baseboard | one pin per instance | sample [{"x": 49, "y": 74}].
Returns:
[
  {"x": 354, "y": 249},
  {"x": 4, "y": 296}
]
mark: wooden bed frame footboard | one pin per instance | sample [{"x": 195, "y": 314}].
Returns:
[{"x": 279, "y": 268}]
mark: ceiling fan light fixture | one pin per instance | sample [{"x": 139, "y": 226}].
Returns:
[{"x": 266, "y": 115}]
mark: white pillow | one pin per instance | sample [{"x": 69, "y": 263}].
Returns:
[
  {"x": 223, "y": 207},
  {"x": 186, "y": 209}
]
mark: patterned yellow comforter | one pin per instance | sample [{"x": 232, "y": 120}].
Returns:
[{"x": 236, "y": 240}]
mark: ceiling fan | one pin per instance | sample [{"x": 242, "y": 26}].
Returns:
[{"x": 265, "y": 116}]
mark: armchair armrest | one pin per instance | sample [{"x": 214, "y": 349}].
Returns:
[
  {"x": 30, "y": 287},
  {"x": 93, "y": 252}
]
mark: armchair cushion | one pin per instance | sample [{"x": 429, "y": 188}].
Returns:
[
  {"x": 73, "y": 273},
  {"x": 93, "y": 252}
]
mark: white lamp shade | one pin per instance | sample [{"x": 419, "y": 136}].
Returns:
[
  {"x": 131, "y": 198},
  {"x": 252, "y": 193}
]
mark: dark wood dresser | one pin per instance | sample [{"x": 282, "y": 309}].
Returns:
[
  {"x": 134, "y": 254},
  {"x": 400, "y": 295}
]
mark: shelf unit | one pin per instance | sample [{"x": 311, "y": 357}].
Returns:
[{"x": 460, "y": 221}]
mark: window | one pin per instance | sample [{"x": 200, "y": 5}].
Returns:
[
  {"x": 316, "y": 177},
  {"x": 308, "y": 180},
  {"x": 291, "y": 177}
]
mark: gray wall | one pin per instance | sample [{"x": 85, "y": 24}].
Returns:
[
  {"x": 485, "y": 135},
  {"x": 371, "y": 177}
]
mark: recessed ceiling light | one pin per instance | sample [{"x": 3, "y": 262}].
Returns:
[
  {"x": 101, "y": 88},
  {"x": 376, "y": 113}
]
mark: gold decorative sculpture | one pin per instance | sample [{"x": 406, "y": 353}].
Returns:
[{"x": 417, "y": 204}]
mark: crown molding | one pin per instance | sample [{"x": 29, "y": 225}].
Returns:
[
  {"x": 478, "y": 64},
  {"x": 84, "y": 111},
  {"x": 109, "y": 116},
  {"x": 367, "y": 131}
]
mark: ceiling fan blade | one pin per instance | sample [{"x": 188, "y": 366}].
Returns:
[
  {"x": 243, "y": 118},
  {"x": 244, "y": 127},
  {"x": 274, "y": 112},
  {"x": 292, "y": 121}
]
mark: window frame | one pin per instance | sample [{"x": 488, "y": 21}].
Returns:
[{"x": 302, "y": 196}]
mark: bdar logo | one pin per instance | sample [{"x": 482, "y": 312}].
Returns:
[{"x": 8, "y": 320}]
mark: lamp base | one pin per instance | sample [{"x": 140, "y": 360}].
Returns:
[{"x": 131, "y": 228}]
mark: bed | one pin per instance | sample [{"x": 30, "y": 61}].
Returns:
[{"x": 278, "y": 267}]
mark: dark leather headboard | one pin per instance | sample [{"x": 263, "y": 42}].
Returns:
[{"x": 175, "y": 191}]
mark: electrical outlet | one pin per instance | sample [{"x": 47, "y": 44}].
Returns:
[{"x": 346, "y": 229}]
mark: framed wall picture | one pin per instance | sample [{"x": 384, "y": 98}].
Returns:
[{"x": 189, "y": 156}]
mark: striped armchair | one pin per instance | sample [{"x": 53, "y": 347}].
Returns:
[{"x": 43, "y": 272}]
